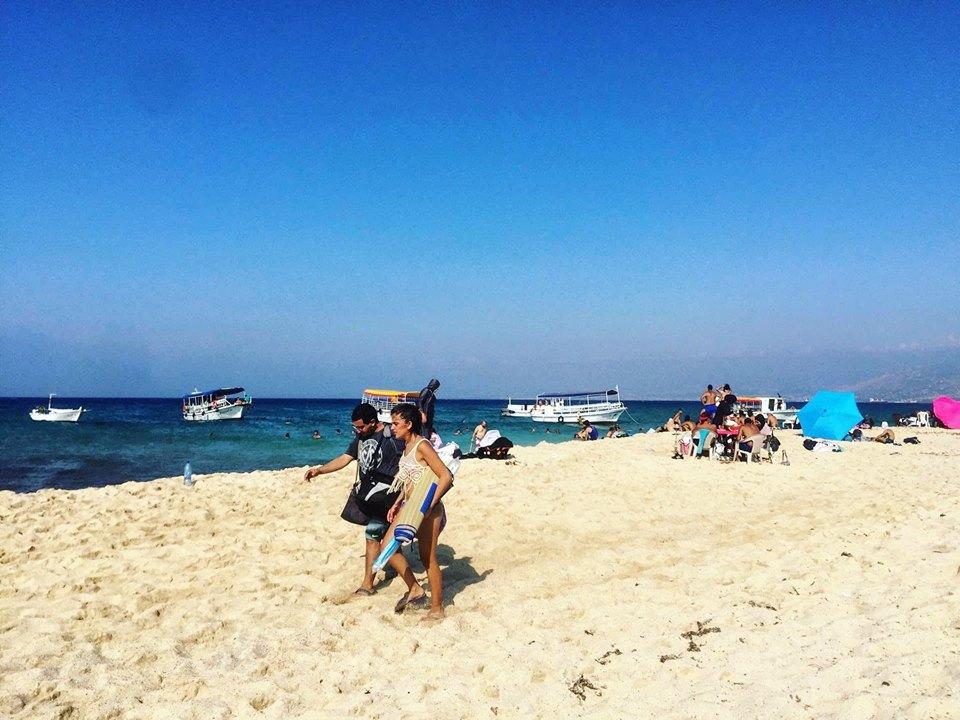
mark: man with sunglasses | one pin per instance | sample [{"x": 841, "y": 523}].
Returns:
[{"x": 377, "y": 454}]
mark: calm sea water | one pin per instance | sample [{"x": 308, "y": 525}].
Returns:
[{"x": 141, "y": 439}]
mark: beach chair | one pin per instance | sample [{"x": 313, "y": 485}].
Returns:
[
  {"x": 706, "y": 446},
  {"x": 759, "y": 447},
  {"x": 923, "y": 419}
]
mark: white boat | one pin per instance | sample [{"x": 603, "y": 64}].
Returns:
[
  {"x": 219, "y": 404},
  {"x": 775, "y": 406},
  {"x": 600, "y": 406},
  {"x": 518, "y": 410},
  {"x": 385, "y": 400},
  {"x": 52, "y": 414}
]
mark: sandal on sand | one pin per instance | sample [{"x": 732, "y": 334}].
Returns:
[
  {"x": 417, "y": 602},
  {"x": 363, "y": 591}
]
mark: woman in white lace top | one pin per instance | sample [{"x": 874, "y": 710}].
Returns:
[{"x": 417, "y": 457}]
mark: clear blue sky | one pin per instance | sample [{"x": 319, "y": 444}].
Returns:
[{"x": 513, "y": 198}]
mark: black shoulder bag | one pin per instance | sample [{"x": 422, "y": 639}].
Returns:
[{"x": 351, "y": 511}]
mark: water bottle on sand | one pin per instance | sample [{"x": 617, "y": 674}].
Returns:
[{"x": 188, "y": 474}]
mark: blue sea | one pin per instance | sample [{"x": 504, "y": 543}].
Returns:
[{"x": 124, "y": 439}]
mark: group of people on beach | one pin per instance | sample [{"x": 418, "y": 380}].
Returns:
[
  {"x": 720, "y": 420},
  {"x": 391, "y": 461}
]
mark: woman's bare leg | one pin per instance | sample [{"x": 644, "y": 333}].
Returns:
[
  {"x": 427, "y": 538},
  {"x": 399, "y": 563}
]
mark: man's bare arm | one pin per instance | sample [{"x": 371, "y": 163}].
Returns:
[{"x": 338, "y": 463}]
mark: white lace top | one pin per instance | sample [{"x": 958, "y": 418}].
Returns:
[{"x": 409, "y": 471}]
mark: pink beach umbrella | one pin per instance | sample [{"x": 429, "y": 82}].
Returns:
[{"x": 947, "y": 411}]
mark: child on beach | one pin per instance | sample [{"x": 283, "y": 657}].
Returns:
[{"x": 418, "y": 455}]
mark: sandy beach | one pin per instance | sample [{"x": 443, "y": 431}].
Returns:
[{"x": 584, "y": 579}]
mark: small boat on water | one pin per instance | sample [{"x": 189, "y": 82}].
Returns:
[
  {"x": 599, "y": 406},
  {"x": 760, "y": 405},
  {"x": 384, "y": 400},
  {"x": 52, "y": 414},
  {"x": 219, "y": 404}
]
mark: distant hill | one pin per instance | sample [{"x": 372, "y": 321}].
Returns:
[{"x": 909, "y": 375}]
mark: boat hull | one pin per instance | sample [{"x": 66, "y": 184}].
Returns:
[
  {"x": 57, "y": 415},
  {"x": 599, "y": 417},
  {"x": 231, "y": 412}
]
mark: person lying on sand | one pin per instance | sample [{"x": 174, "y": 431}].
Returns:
[
  {"x": 418, "y": 455},
  {"x": 886, "y": 437}
]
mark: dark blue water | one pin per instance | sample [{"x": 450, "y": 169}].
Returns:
[{"x": 142, "y": 439}]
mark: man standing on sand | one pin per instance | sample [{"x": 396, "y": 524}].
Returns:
[
  {"x": 708, "y": 399},
  {"x": 428, "y": 402},
  {"x": 378, "y": 455}
]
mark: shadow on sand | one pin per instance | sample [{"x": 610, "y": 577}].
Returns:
[{"x": 458, "y": 573}]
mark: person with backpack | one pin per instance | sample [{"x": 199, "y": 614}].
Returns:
[{"x": 377, "y": 453}]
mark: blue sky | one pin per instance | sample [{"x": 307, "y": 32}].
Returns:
[{"x": 307, "y": 200}]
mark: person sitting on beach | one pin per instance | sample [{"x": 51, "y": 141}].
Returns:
[
  {"x": 886, "y": 437},
  {"x": 704, "y": 422},
  {"x": 377, "y": 452},
  {"x": 586, "y": 432},
  {"x": 745, "y": 436},
  {"x": 417, "y": 457},
  {"x": 673, "y": 422},
  {"x": 478, "y": 432},
  {"x": 616, "y": 431}
]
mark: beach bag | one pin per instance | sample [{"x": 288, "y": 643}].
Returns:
[
  {"x": 351, "y": 511},
  {"x": 774, "y": 443}
]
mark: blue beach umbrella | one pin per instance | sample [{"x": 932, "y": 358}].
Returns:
[{"x": 829, "y": 415}]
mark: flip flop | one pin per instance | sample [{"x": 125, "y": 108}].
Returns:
[
  {"x": 418, "y": 602},
  {"x": 363, "y": 591}
]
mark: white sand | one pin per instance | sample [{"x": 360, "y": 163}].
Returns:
[{"x": 833, "y": 584}]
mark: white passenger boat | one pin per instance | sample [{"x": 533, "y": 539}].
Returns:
[
  {"x": 384, "y": 400},
  {"x": 775, "y": 406},
  {"x": 52, "y": 414},
  {"x": 219, "y": 404},
  {"x": 600, "y": 406},
  {"x": 519, "y": 409}
]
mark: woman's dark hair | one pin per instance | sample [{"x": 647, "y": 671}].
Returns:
[{"x": 411, "y": 413}]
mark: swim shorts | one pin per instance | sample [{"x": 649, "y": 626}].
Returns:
[{"x": 376, "y": 529}]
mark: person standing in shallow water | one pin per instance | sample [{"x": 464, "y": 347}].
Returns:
[{"x": 418, "y": 455}]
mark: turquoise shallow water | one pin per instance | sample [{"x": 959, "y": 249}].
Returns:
[{"x": 141, "y": 439}]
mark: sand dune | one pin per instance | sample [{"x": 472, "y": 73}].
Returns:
[{"x": 595, "y": 580}]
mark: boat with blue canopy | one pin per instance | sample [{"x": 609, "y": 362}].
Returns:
[{"x": 219, "y": 404}]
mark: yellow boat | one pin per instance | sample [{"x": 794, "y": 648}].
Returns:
[{"x": 385, "y": 400}]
